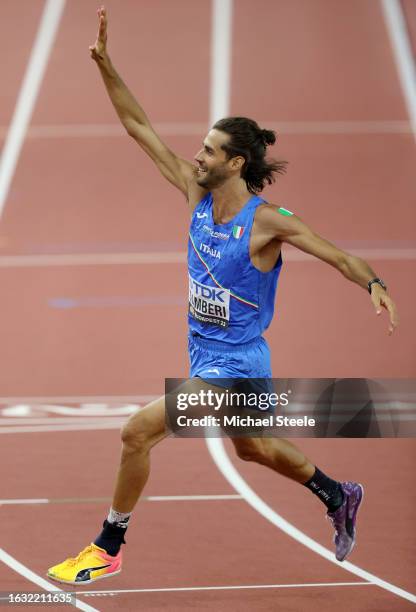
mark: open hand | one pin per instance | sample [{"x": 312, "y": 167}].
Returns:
[
  {"x": 380, "y": 300},
  {"x": 98, "y": 50}
]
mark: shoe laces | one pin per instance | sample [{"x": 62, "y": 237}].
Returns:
[{"x": 78, "y": 558}]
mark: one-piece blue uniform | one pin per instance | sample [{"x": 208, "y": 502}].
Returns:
[{"x": 231, "y": 302}]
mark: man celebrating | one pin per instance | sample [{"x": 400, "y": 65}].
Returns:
[{"x": 234, "y": 262}]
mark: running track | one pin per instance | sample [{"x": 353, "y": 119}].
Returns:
[{"x": 94, "y": 283}]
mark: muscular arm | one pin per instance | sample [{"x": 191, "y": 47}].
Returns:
[
  {"x": 292, "y": 230},
  {"x": 179, "y": 172}
]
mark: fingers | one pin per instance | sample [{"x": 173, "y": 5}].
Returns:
[
  {"x": 394, "y": 317},
  {"x": 100, "y": 44},
  {"x": 102, "y": 17},
  {"x": 102, "y": 29},
  {"x": 390, "y": 306},
  {"x": 384, "y": 301},
  {"x": 376, "y": 302}
]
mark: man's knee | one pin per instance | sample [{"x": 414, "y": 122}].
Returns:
[
  {"x": 144, "y": 428},
  {"x": 136, "y": 435},
  {"x": 248, "y": 450}
]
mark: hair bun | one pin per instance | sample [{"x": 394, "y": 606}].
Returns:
[{"x": 268, "y": 137}]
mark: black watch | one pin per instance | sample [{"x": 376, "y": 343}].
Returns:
[{"x": 378, "y": 281}]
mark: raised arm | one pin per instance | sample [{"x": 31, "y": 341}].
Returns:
[
  {"x": 290, "y": 229},
  {"x": 179, "y": 172}
]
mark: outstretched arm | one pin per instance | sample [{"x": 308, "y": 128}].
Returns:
[
  {"x": 292, "y": 230},
  {"x": 179, "y": 172}
]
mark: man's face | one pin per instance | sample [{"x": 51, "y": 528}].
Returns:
[{"x": 213, "y": 167}]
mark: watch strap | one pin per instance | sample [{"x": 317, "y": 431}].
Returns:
[{"x": 377, "y": 281}]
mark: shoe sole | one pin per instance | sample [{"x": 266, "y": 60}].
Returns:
[
  {"x": 353, "y": 518},
  {"x": 84, "y": 581}
]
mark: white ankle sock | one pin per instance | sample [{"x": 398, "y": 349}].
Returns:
[{"x": 120, "y": 519}]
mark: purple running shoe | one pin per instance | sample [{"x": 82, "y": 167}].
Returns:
[{"x": 343, "y": 519}]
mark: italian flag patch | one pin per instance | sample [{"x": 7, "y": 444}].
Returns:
[
  {"x": 238, "y": 231},
  {"x": 285, "y": 212}
]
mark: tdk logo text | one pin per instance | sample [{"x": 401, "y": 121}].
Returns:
[{"x": 209, "y": 293}]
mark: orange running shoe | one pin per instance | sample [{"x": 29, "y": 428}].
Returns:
[{"x": 90, "y": 565}]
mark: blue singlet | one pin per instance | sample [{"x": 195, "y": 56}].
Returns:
[
  {"x": 229, "y": 299},
  {"x": 231, "y": 302}
]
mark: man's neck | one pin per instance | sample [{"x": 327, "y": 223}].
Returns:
[{"x": 229, "y": 199}]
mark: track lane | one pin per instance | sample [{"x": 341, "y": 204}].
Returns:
[
  {"x": 384, "y": 460},
  {"x": 22, "y": 18},
  {"x": 189, "y": 528},
  {"x": 314, "y": 61}
]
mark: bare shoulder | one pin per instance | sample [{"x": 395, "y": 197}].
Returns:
[{"x": 271, "y": 216}]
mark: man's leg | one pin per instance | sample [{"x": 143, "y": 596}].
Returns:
[
  {"x": 341, "y": 499},
  {"x": 141, "y": 432},
  {"x": 103, "y": 558},
  {"x": 278, "y": 454}
]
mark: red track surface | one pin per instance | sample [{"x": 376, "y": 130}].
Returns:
[{"x": 293, "y": 62}]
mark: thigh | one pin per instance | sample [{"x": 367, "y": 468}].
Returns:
[{"x": 149, "y": 422}]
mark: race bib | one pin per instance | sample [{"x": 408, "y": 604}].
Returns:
[{"x": 209, "y": 304}]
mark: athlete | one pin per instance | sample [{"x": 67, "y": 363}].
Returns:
[{"x": 234, "y": 263}]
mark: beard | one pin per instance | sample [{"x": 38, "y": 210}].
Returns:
[{"x": 213, "y": 178}]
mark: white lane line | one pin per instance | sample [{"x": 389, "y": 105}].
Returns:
[
  {"x": 221, "y": 35},
  {"x": 379, "y": 254},
  {"x": 402, "y": 51},
  {"x": 177, "y": 257},
  {"x": 192, "y": 497},
  {"x": 115, "y": 424},
  {"x": 304, "y": 128},
  {"x": 105, "y": 130},
  {"x": 44, "y": 584},
  {"x": 114, "y": 130},
  {"x": 67, "y": 414},
  {"x": 91, "y": 259},
  {"x": 226, "y": 588},
  {"x": 28, "y": 93},
  {"x": 223, "y": 463},
  {"x": 77, "y": 399},
  {"x": 74, "y": 420},
  {"x": 14, "y": 502},
  {"x": 149, "y": 498}
]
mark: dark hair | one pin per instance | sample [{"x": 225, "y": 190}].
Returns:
[{"x": 250, "y": 141}]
